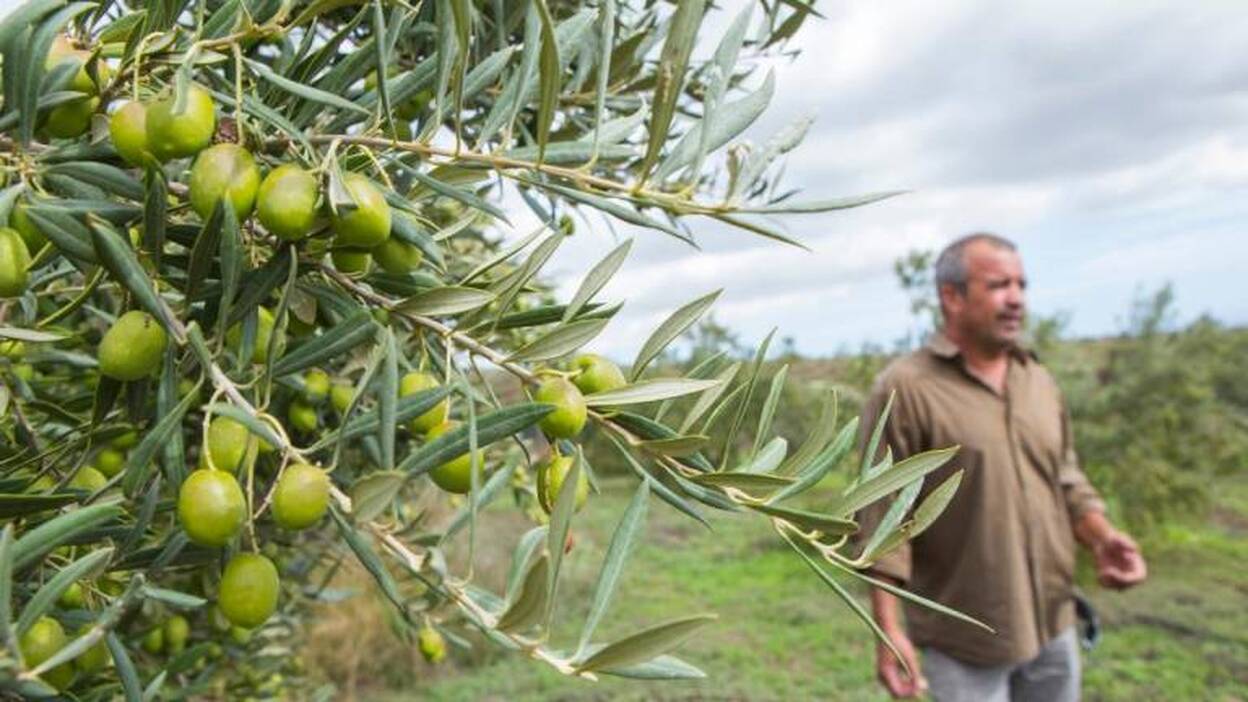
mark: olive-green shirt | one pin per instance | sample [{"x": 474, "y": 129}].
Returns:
[{"x": 1003, "y": 551}]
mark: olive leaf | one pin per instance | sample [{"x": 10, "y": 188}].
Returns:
[
  {"x": 496, "y": 425},
  {"x": 597, "y": 277},
  {"x": 645, "y": 645},
  {"x": 631, "y": 522},
  {"x": 373, "y": 493},
  {"x": 672, "y": 327},
  {"x": 450, "y": 300},
  {"x": 42, "y": 601},
  {"x": 39, "y": 541},
  {"x": 649, "y": 391},
  {"x": 560, "y": 341}
]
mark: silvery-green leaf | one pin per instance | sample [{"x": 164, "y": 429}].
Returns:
[
  {"x": 526, "y": 546},
  {"x": 597, "y": 277},
  {"x": 743, "y": 481},
  {"x": 768, "y": 458},
  {"x": 549, "y": 78},
  {"x": 845, "y": 596},
  {"x": 560, "y": 523},
  {"x": 373, "y": 493},
  {"x": 496, "y": 425},
  {"x": 43, "y": 599},
  {"x": 613, "y": 563},
  {"x": 645, "y": 645},
  {"x": 658, "y": 668},
  {"x": 677, "y": 446},
  {"x": 934, "y": 504},
  {"x": 664, "y": 492},
  {"x": 826, "y": 524},
  {"x": 356, "y": 330},
  {"x": 31, "y": 335},
  {"x": 368, "y": 558},
  {"x": 606, "y": 44},
  {"x": 917, "y": 599},
  {"x": 823, "y": 431},
  {"x": 561, "y": 341},
  {"x": 672, "y": 327},
  {"x": 673, "y": 62},
  {"x": 842, "y": 203},
  {"x": 181, "y": 600},
  {"x": 306, "y": 92},
  {"x": 528, "y": 608},
  {"x": 739, "y": 416},
  {"x": 142, "y": 458},
  {"x": 893, "y": 479},
  {"x": 619, "y": 129},
  {"x": 448, "y": 300},
  {"x": 731, "y": 120},
  {"x": 769, "y": 407},
  {"x": 37, "y": 542},
  {"x": 649, "y": 391},
  {"x": 709, "y": 396}
]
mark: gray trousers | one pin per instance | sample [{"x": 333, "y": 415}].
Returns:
[{"x": 1052, "y": 676}]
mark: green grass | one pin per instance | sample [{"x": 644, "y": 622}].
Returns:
[{"x": 782, "y": 635}]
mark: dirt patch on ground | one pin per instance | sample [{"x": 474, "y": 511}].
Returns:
[
  {"x": 1230, "y": 519},
  {"x": 1183, "y": 629}
]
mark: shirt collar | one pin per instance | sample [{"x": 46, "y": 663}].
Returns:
[{"x": 941, "y": 346}]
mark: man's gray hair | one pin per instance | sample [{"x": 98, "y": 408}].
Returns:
[{"x": 951, "y": 264}]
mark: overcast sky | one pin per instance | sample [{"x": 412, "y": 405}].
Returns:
[{"x": 1110, "y": 140}]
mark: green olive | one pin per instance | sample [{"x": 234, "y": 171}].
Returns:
[
  {"x": 14, "y": 260},
  {"x": 249, "y": 590},
  {"x": 286, "y": 204},
  {"x": 133, "y": 347},
  {"x": 128, "y": 129},
  {"x": 352, "y": 261},
  {"x": 568, "y": 418},
  {"x": 301, "y": 497},
  {"x": 597, "y": 374},
  {"x": 177, "y": 135},
  {"x": 415, "y": 382},
  {"x": 224, "y": 170},
  {"x": 70, "y": 119},
  {"x": 397, "y": 256},
  {"x": 211, "y": 507},
  {"x": 40, "y": 642},
  {"x": 368, "y": 223},
  {"x": 550, "y": 477},
  {"x": 35, "y": 239}
]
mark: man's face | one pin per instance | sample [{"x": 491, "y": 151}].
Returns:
[{"x": 992, "y": 309}]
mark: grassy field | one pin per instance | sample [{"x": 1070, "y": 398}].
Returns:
[{"x": 782, "y": 635}]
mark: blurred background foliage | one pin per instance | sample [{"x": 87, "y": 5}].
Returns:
[{"x": 1159, "y": 412}]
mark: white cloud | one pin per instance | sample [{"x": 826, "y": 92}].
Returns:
[{"x": 1109, "y": 139}]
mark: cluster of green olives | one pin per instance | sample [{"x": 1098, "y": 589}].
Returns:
[
  {"x": 589, "y": 374},
  {"x": 287, "y": 201}
]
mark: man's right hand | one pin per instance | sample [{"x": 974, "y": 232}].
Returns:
[{"x": 891, "y": 672}]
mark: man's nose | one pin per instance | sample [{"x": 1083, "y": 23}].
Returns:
[{"x": 1016, "y": 296}]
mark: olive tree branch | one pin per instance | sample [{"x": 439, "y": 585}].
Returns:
[{"x": 476, "y": 348}]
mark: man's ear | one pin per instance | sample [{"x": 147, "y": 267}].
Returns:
[{"x": 948, "y": 295}]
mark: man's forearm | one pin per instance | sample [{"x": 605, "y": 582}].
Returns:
[
  {"x": 884, "y": 607},
  {"x": 1092, "y": 528}
]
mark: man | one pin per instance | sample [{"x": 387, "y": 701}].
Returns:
[{"x": 1003, "y": 551}]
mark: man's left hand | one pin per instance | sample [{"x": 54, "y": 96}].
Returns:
[{"x": 1119, "y": 563}]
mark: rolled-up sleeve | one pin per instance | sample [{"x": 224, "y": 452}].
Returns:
[
  {"x": 1077, "y": 490},
  {"x": 900, "y": 436}
]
